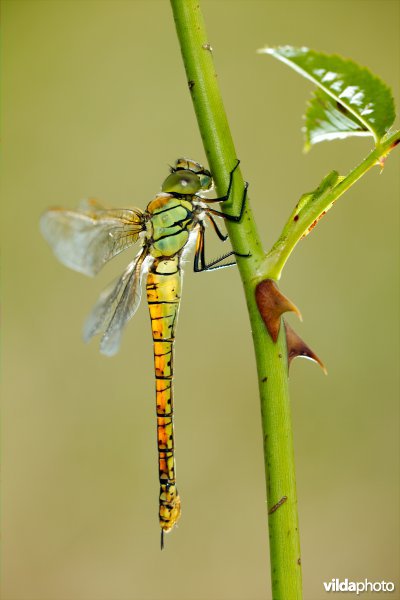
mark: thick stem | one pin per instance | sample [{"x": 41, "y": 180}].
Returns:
[{"x": 271, "y": 357}]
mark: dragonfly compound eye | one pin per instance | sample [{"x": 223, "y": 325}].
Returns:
[
  {"x": 206, "y": 181},
  {"x": 182, "y": 182},
  {"x": 187, "y": 163}
]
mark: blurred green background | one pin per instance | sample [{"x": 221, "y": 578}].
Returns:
[{"x": 95, "y": 103}]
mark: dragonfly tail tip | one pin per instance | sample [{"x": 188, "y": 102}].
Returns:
[{"x": 162, "y": 539}]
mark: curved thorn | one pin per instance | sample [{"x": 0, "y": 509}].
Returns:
[
  {"x": 272, "y": 304},
  {"x": 297, "y": 347}
]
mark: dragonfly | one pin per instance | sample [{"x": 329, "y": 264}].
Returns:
[{"x": 87, "y": 238}]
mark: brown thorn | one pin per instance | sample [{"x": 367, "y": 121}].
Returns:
[
  {"x": 296, "y": 347},
  {"x": 272, "y": 304}
]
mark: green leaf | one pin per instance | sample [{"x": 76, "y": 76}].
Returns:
[
  {"x": 329, "y": 120},
  {"x": 351, "y": 100}
]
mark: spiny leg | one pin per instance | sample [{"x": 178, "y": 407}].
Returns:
[
  {"x": 233, "y": 218},
  {"x": 217, "y": 230},
  {"x": 200, "y": 263},
  {"x": 228, "y": 191}
]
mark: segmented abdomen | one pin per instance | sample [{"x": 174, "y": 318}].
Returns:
[{"x": 163, "y": 296}]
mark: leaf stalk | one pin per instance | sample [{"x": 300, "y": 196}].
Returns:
[{"x": 319, "y": 202}]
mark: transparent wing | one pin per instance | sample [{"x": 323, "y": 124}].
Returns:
[
  {"x": 116, "y": 305},
  {"x": 84, "y": 240}
]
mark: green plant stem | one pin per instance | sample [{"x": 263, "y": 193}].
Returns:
[
  {"x": 271, "y": 357},
  {"x": 300, "y": 221}
]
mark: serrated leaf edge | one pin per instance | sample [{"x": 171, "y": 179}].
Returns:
[{"x": 292, "y": 65}]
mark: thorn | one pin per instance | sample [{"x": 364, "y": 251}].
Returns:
[
  {"x": 296, "y": 347},
  {"x": 272, "y": 304},
  {"x": 162, "y": 539}
]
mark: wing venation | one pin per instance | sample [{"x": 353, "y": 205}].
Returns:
[
  {"x": 84, "y": 240},
  {"x": 116, "y": 306}
]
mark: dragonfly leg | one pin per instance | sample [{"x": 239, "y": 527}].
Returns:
[
  {"x": 234, "y": 218},
  {"x": 217, "y": 230},
  {"x": 228, "y": 191},
  {"x": 200, "y": 263}
]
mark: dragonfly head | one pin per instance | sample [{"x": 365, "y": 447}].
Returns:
[{"x": 187, "y": 177}]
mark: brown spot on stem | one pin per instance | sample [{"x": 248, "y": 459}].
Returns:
[
  {"x": 191, "y": 84},
  {"x": 272, "y": 304},
  {"x": 277, "y": 505},
  {"x": 299, "y": 561},
  {"x": 313, "y": 224},
  {"x": 297, "y": 347}
]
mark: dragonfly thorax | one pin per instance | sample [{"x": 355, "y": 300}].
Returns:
[{"x": 170, "y": 221}]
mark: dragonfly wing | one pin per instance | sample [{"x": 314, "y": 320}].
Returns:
[
  {"x": 116, "y": 306},
  {"x": 84, "y": 240}
]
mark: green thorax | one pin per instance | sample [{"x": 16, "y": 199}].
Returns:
[{"x": 170, "y": 222}]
